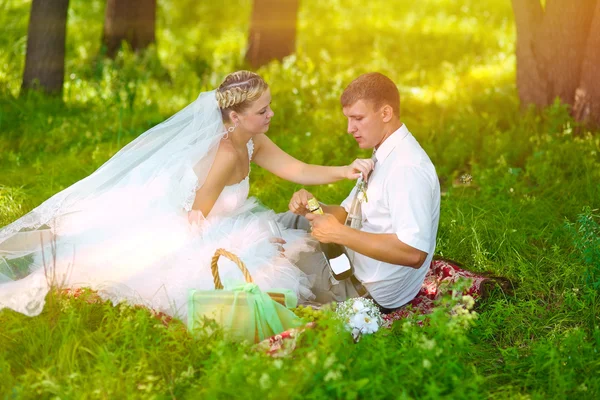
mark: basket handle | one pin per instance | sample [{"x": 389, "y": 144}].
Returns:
[{"x": 215, "y": 269}]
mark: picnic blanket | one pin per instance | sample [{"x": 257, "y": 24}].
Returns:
[{"x": 441, "y": 275}]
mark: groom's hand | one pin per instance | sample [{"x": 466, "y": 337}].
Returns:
[
  {"x": 299, "y": 202},
  {"x": 325, "y": 227}
]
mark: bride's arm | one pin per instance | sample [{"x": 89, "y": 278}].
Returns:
[
  {"x": 270, "y": 157},
  {"x": 220, "y": 171}
]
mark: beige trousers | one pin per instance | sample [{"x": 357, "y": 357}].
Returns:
[{"x": 325, "y": 287}]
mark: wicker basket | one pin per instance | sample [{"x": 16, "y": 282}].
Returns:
[
  {"x": 245, "y": 312},
  {"x": 277, "y": 296}
]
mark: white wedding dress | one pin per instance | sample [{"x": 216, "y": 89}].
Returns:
[
  {"x": 237, "y": 224},
  {"x": 133, "y": 243}
]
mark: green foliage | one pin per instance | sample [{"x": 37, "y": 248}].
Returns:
[
  {"x": 76, "y": 348},
  {"x": 586, "y": 238},
  {"x": 454, "y": 65}
]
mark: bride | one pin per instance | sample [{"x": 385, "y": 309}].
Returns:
[{"x": 144, "y": 226}]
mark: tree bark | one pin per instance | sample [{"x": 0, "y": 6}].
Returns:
[
  {"x": 531, "y": 84},
  {"x": 587, "y": 96},
  {"x": 557, "y": 54},
  {"x": 132, "y": 21},
  {"x": 561, "y": 41},
  {"x": 46, "y": 37},
  {"x": 272, "y": 31}
]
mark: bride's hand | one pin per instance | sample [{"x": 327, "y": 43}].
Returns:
[
  {"x": 360, "y": 166},
  {"x": 280, "y": 242},
  {"x": 195, "y": 217}
]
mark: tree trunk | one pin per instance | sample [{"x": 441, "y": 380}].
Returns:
[
  {"x": 272, "y": 31},
  {"x": 554, "y": 53},
  {"x": 561, "y": 41},
  {"x": 587, "y": 96},
  {"x": 531, "y": 85},
  {"x": 132, "y": 21},
  {"x": 46, "y": 36}
]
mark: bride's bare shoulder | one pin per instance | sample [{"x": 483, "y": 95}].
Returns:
[
  {"x": 226, "y": 155},
  {"x": 226, "y": 146},
  {"x": 260, "y": 141}
]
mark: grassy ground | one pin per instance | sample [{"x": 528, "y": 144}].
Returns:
[{"x": 531, "y": 212}]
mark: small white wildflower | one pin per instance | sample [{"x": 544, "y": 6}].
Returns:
[
  {"x": 265, "y": 381},
  {"x": 333, "y": 375},
  {"x": 426, "y": 363},
  {"x": 329, "y": 361},
  {"x": 468, "y": 301},
  {"x": 428, "y": 344},
  {"x": 312, "y": 357}
]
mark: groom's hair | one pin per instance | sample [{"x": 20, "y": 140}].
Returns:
[{"x": 375, "y": 88}]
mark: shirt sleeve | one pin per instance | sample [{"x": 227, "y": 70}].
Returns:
[
  {"x": 348, "y": 201},
  {"x": 410, "y": 199}
]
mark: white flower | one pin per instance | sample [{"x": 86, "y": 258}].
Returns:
[
  {"x": 372, "y": 326},
  {"x": 364, "y": 322},
  {"x": 361, "y": 316},
  {"x": 357, "y": 321},
  {"x": 358, "y": 305}
]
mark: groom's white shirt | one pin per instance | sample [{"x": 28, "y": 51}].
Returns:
[{"x": 404, "y": 199}]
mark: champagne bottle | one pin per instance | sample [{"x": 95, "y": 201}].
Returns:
[
  {"x": 340, "y": 267},
  {"x": 314, "y": 206},
  {"x": 354, "y": 217}
]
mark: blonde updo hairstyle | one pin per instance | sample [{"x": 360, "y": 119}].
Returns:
[{"x": 238, "y": 91}]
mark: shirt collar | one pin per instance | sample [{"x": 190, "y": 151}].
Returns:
[{"x": 390, "y": 143}]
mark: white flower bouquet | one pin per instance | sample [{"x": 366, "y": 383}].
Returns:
[{"x": 361, "y": 316}]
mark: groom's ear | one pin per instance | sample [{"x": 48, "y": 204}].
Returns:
[{"x": 387, "y": 112}]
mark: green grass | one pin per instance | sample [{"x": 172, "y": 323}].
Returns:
[{"x": 531, "y": 212}]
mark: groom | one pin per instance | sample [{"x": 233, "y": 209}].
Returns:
[{"x": 392, "y": 250}]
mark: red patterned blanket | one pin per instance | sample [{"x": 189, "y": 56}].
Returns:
[{"x": 442, "y": 274}]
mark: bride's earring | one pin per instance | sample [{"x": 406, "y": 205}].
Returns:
[{"x": 229, "y": 130}]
